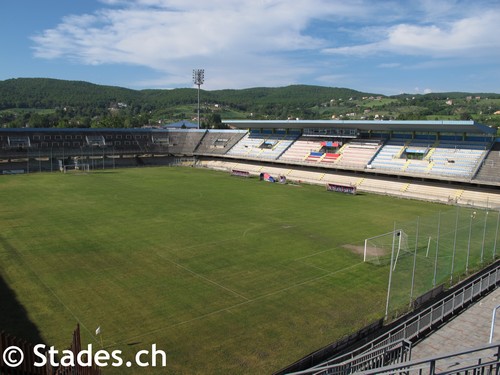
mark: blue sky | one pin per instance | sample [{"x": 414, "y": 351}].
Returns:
[{"x": 378, "y": 46}]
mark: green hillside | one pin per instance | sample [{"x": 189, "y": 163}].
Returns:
[{"x": 43, "y": 102}]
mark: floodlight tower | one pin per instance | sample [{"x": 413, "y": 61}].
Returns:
[{"x": 198, "y": 79}]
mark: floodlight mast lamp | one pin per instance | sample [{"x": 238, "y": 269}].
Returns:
[{"x": 198, "y": 79}]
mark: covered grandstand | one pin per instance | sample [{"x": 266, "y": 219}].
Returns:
[{"x": 454, "y": 161}]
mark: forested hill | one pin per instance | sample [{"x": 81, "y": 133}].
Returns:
[
  {"x": 50, "y": 93},
  {"x": 43, "y": 102}
]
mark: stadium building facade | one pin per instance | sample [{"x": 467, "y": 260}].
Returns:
[{"x": 448, "y": 161}]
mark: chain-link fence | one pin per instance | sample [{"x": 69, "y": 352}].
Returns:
[{"x": 435, "y": 250}]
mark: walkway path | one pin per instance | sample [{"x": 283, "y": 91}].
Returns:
[{"x": 469, "y": 329}]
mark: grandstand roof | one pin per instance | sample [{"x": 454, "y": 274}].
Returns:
[
  {"x": 403, "y": 126},
  {"x": 182, "y": 124}
]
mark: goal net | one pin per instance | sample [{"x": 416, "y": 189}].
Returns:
[
  {"x": 80, "y": 168},
  {"x": 378, "y": 249}
]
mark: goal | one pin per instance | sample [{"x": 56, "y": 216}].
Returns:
[
  {"x": 378, "y": 249},
  {"x": 80, "y": 168}
]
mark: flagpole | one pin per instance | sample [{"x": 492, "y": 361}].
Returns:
[{"x": 98, "y": 333}]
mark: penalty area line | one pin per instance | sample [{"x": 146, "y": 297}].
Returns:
[
  {"x": 203, "y": 277},
  {"x": 248, "y": 301}
]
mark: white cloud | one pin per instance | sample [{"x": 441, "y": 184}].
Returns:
[
  {"x": 171, "y": 36},
  {"x": 161, "y": 33},
  {"x": 389, "y": 65},
  {"x": 243, "y": 43},
  {"x": 472, "y": 36}
]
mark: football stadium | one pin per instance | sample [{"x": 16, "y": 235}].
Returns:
[{"x": 272, "y": 247}]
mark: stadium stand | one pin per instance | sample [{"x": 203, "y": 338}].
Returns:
[
  {"x": 432, "y": 191},
  {"x": 301, "y": 149},
  {"x": 378, "y": 154},
  {"x": 18, "y": 142},
  {"x": 457, "y": 158},
  {"x": 184, "y": 141},
  {"x": 354, "y": 154},
  {"x": 262, "y": 145},
  {"x": 382, "y": 186},
  {"x": 358, "y": 153},
  {"x": 95, "y": 140},
  {"x": 342, "y": 179},
  {"x": 389, "y": 156},
  {"x": 218, "y": 142},
  {"x": 490, "y": 166},
  {"x": 471, "y": 196},
  {"x": 304, "y": 175},
  {"x": 443, "y": 158}
]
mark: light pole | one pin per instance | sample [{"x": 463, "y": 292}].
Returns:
[{"x": 198, "y": 79}]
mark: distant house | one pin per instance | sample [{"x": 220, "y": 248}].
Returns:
[{"x": 181, "y": 125}]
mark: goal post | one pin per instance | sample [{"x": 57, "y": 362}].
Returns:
[{"x": 402, "y": 244}]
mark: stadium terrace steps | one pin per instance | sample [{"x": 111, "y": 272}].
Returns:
[
  {"x": 218, "y": 142},
  {"x": 330, "y": 158},
  {"x": 184, "y": 142},
  {"x": 431, "y": 191},
  {"x": 301, "y": 148},
  {"x": 387, "y": 156},
  {"x": 457, "y": 158},
  {"x": 417, "y": 190},
  {"x": 354, "y": 154},
  {"x": 262, "y": 146},
  {"x": 358, "y": 153},
  {"x": 305, "y": 176},
  {"x": 381, "y": 185},
  {"x": 490, "y": 167},
  {"x": 469, "y": 196},
  {"x": 275, "y": 171},
  {"x": 314, "y": 156},
  {"x": 446, "y": 158},
  {"x": 405, "y": 187},
  {"x": 442, "y": 159},
  {"x": 341, "y": 179}
]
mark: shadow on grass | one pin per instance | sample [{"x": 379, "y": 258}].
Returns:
[{"x": 14, "y": 318}]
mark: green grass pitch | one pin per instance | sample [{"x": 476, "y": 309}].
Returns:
[{"x": 226, "y": 274}]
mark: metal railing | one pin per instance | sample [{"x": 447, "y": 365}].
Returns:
[
  {"x": 480, "y": 360},
  {"x": 393, "y": 353},
  {"x": 432, "y": 316}
]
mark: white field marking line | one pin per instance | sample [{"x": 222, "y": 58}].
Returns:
[
  {"x": 241, "y": 303},
  {"x": 312, "y": 255},
  {"x": 316, "y": 267},
  {"x": 203, "y": 277},
  {"x": 251, "y": 228},
  {"x": 236, "y": 238},
  {"x": 282, "y": 226}
]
